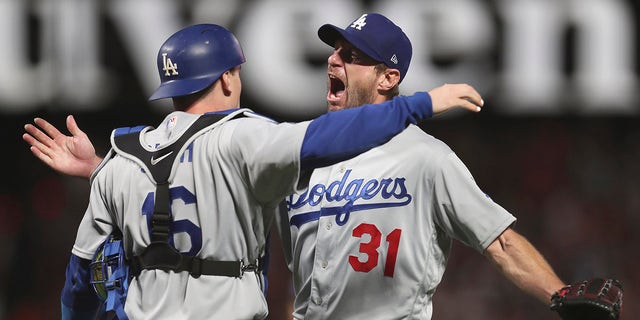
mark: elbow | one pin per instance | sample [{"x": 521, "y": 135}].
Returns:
[{"x": 500, "y": 247}]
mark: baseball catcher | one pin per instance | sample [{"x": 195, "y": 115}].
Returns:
[{"x": 595, "y": 299}]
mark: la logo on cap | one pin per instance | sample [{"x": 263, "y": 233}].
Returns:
[{"x": 361, "y": 22}]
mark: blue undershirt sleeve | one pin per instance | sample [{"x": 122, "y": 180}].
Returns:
[
  {"x": 78, "y": 300},
  {"x": 340, "y": 135}
]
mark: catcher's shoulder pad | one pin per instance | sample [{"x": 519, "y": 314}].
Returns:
[
  {"x": 596, "y": 299},
  {"x": 126, "y": 142}
]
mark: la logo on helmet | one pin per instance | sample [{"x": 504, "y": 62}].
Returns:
[{"x": 169, "y": 66}]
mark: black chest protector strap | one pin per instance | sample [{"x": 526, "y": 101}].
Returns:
[{"x": 160, "y": 254}]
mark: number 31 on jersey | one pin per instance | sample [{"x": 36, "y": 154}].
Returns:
[{"x": 370, "y": 249}]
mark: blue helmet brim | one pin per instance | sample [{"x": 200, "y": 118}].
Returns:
[{"x": 182, "y": 87}]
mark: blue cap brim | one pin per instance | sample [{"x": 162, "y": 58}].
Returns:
[{"x": 329, "y": 34}]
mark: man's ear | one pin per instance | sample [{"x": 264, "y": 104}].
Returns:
[
  {"x": 389, "y": 79},
  {"x": 225, "y": 83}
]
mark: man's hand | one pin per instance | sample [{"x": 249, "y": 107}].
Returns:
[
  {"x": 450, "y": 96},
  {"x": 72, "y": 155}
]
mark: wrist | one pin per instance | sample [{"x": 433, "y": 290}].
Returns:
[{"x": 91, "y": 166}]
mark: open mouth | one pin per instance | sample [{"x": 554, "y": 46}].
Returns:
[{"x": 336, "y": 88}]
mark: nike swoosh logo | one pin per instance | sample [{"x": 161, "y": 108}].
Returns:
[{"x": 155, "y": 161}]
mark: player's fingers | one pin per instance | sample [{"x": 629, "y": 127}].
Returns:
[
  {"x": 470, "y": 105},
  {"x": 38, "y": 135},
  {"x": 35, "y": 143},
  {"x": 40, "y": 155},
  {"x": 72, "y": 126},
  {"x": 476, "y": 99},
  {"x": 28, "y": 138},
  {"x": 48, "y": 128},
  {"x": 471, "y": 94}
]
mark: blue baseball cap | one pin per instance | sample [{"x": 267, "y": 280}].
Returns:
[{"x": 376, "y": 36}]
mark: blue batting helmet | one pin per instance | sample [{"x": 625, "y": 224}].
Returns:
[{"x": 194, "y": 58}]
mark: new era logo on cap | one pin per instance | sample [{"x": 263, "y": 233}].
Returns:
[
  {"x": 394, "y": 59},
  {"x": 376, "y": 36}
]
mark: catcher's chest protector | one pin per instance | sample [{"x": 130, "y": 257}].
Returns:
[{"x": 159, "y": 163}]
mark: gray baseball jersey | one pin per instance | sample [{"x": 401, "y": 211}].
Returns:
[
  {"x": 225, "y": 221},
  {"x": 371, "y": 235}
]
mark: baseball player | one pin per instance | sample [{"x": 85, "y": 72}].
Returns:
[
  {"x": 383, "y": 222},
  {"x": 194, "y": 198},
  {"x": 370, "y": 236}
]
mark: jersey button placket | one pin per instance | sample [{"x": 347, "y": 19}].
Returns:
[{"x": 321, "y": 283}]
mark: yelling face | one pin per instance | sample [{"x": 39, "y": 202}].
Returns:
[{"x": 352, "y": 77}]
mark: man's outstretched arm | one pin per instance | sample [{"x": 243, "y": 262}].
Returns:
[
  {"x": 523, "y": 265},
  {"x": 75, "y": 155}
]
